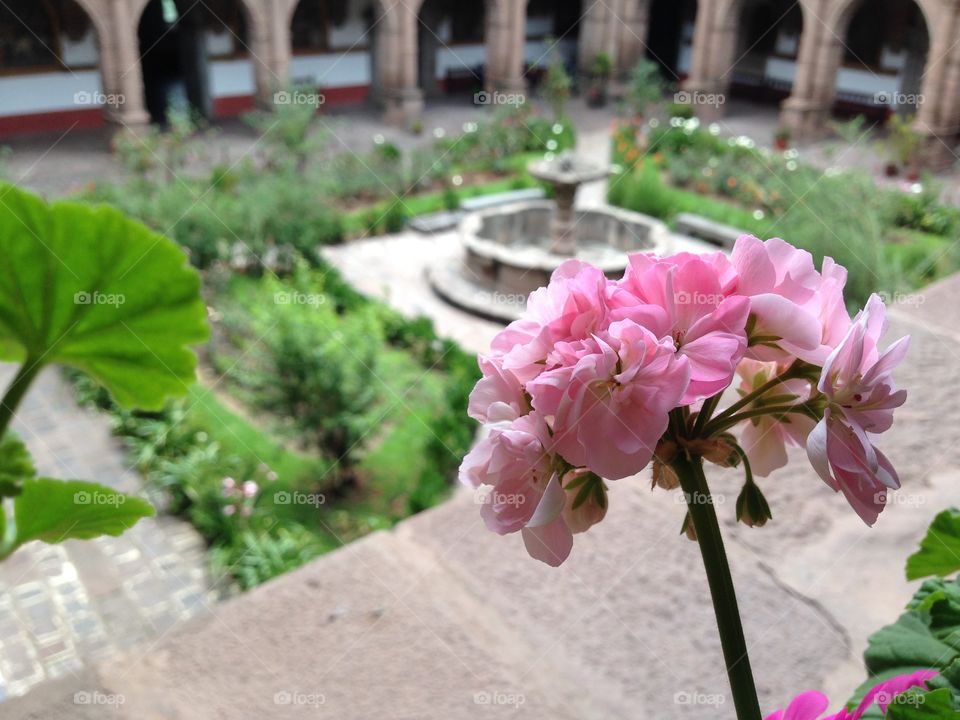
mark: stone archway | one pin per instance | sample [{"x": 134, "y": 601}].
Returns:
[
  {"x": 830, "y": 65},
  {"x": 58, "y": 65}
]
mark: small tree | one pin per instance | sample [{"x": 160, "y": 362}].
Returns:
[
  {"x": 556, "y": 87},
  {"x": 646, "y": 87},
  {"x": 600, "y": 71},
  {"x": 904, "y": 141}
]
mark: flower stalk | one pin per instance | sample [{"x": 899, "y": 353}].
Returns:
[
  {"x": 707, "y": 527},
  {"x": 16, "y": 391}
]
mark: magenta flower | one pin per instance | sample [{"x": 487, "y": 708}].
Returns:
[
  {"x": 611, "y": 402},
  {"x": 856, "y": 381},
  {"x": 811, "y": 705}
]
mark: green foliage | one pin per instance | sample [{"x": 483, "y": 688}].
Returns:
[
  {"x": 286, "y": 214},
  {"x": 451, "y": 198},
  {"x": 288, "y": 131},
  {"x": 927, "y": 635},
  {"x": 680, "y": 110},
  {"x": 395, "y": 217},
  {"x": 15, "y": 464},
  {"x": 903, "y": 142},
  {"x": 557, "y": 85},
  {"x": 261, "y": 556},
  {"x": 88, "y": 288},
  {"x": 161, "y": 154},
  {"x": 645, "y": 192},
  {"x": 58, "y": 510},
  {"x": 918, "y": 705},
  {"x": 602, "y": 65},
  {"x": 939, "y": 552},
  {"x": 646, "y": 87},
  {"x": 850, "y": 131},
  {"x": 923, "y": 211},
  {"x": 873, "y": 232}
]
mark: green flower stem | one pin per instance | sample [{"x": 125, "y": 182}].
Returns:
[
  {"x": 719, "y": 424},
  {"x": 791, "y": 372},
  {"x": 704, "y": 516},
  {"x": 706, "y": 411},
  {"x": 18, "y": 388}
]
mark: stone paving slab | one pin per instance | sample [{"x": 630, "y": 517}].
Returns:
[{"x": 68, "y": 605}]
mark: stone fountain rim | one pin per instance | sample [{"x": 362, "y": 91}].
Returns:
[{"x": 534, "y": 258}]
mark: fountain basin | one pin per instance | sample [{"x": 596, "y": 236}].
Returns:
[{"x": 509, "y": 252}]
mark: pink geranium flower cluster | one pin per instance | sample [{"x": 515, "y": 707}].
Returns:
[{"x": 584, "y": 386}]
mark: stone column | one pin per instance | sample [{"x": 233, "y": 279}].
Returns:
[
  {"x": 938, "y": 113},
  {"x": 598, "y": 33},
  {"x": 714, "y": 44},
  {"x": 268, "y": 37},
  {"x": 128, "y": 74},
  {"x": 807, "y": 111},
  {"x": 632, "y": 35},
  {"x": 505, "y": 39},
  {"x": 397, "y": 63}
]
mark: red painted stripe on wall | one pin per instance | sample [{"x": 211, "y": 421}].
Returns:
[{"x": 51, "y": 121}]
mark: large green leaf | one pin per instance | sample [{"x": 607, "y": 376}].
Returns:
[
  {"x": 939, "y": 552},
  {"x": 57, "y": 510},
  {"x": 87, "y": 287},
  {"x": 925, "y": 637},
  {"x": 919, "y": 705}
]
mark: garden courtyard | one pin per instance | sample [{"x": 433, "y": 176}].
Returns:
[{"x": 313, "y": 554}]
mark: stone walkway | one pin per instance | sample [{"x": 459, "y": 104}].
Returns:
[{"x": 65, "y": 606}]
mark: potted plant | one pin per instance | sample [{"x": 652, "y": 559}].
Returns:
[
  {"x": 903, "y": 144},
  {"x": 781, "y": 138},
  {"x": 646, "y": 88},
  {"x": 600, "y": 71},
  {"x": 556, "y": 87}
]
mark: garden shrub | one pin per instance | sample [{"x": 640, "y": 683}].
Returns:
[
  {"x": 290, "y": 216},
  {"x": 288, "y": 131},
  {"x": 395, "y": 217},
  {"x": 645, "y": 192},
  {"x": 259, "y": 556},
  {"x": 680, "y": 110},
  {"x": 923, "y": 211}
]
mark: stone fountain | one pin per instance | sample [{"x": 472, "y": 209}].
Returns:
[{"x": 511, "y": 250}]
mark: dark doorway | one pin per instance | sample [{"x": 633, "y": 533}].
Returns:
[
  {"x": 174, "y": 52},
  {"x": 665, "y": 33}
]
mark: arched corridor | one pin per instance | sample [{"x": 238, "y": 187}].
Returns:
[{"x": 224, "y": 56}]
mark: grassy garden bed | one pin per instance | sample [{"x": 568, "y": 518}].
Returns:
[
  {"x": 887, "y": 238},
  {"x": 322, "y": 414}
]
